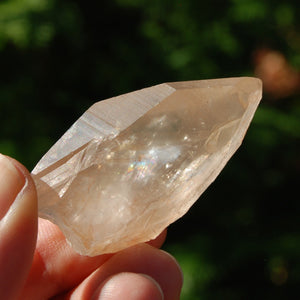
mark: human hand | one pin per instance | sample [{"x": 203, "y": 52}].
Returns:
[{"x": 37, "y": 263}]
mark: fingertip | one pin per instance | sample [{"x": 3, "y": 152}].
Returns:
[
  {"x": 11, "y": 183},
  {"x": 144, "y": 259},
  {"x": 22, "y": 214},
  {"x": 159, "y": 240}
]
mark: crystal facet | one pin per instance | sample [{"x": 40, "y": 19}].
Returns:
[{"x": 133, "y": 164}]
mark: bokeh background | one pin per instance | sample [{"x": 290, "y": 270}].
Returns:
[{"x": 241, "y": 240}]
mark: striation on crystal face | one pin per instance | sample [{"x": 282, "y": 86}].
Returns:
[{"x": 133, "y": 164}]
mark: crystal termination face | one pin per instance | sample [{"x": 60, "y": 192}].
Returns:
[{"x": 133, "y": 164}]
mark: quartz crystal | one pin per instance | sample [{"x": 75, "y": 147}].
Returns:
[{"x": 133, "y": 164}]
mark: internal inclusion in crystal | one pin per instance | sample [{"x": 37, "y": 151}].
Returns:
[{"x": 125, "y": 185}]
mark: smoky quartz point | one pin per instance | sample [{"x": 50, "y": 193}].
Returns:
[{"x": 133, "y": 164}]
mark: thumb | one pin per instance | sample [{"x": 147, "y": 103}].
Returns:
[{"x": 18, "y": 226}]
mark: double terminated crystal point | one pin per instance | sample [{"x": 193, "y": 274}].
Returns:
[{"x": 133, "y": 164}]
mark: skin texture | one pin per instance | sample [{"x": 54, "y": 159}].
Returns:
[{"x": 37, "y": 263}]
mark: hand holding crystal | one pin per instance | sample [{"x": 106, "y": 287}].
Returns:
[
  {"x": 124, "y": 171},
  {"x": 37, "y": 263},
  {"x": 133, "y": 164}
]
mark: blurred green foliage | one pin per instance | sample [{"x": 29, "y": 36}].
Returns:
[{"x": 241, "y": 240}]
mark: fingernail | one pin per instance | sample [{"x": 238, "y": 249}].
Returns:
[
  {"x": 129, "y": 286},
  {"x": 11, "y": 183}
]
